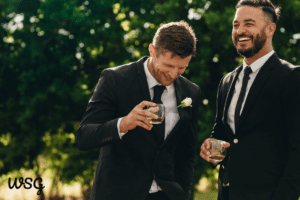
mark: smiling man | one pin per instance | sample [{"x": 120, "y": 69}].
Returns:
[
  {"x": 258, "y": 113},
  {"x": 138, "y": 160}
]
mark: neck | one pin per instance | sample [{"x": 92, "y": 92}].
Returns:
[{"x": 265, "y": 50}]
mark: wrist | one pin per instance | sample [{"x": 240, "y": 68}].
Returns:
[{"x": 123, "y": 128}]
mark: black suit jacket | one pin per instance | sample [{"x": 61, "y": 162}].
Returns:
[
  {"x": 126, "y": 167},
  {"x": 264, "y": 163}
]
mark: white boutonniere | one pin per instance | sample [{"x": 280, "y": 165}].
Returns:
[{"x": 186, "y": 102}]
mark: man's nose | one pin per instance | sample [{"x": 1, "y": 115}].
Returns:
[
  {"x": 240, "y": 30},
  {"x": 173, "y": 73}
]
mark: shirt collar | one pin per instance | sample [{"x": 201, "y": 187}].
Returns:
[
  {"x": 151, "y": 80},
  {"x": 259, "y": 62}
]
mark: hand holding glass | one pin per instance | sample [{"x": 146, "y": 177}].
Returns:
[
  {"x": 158, "y": 110},
  {"x": 218, "y": 150}
]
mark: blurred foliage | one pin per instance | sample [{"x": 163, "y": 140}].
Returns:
[{"x": 52, "y": 53}]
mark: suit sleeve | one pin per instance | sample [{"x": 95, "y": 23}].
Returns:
[
  {"x": 99, "y": 123},
  {"x": 218, "y": 129},
  {"x": 184, "y": 159},
  {"x": 289, "y": 184}
]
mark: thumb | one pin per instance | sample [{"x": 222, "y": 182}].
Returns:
[{"x": 227, "y": 145}]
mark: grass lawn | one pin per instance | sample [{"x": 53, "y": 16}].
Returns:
[{"x": 209, "y": 195}]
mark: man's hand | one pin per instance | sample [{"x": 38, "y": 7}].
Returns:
[
  {"x": 137, "y": 117},
  {"x": 205, "y": 150}
]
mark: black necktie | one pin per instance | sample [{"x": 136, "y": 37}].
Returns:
[
  {"x": 239, "y": 104},
  {"x": 160, "y": 128}
]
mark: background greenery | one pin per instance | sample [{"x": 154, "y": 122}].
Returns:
[{"x": 53, "y": 51}]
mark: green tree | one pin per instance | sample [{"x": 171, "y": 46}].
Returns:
[{"x": 53, "y": 52}]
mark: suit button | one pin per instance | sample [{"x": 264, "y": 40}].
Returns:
[
  {"x": 223, "y": 166},
  {"x": 235, "y": 141}
]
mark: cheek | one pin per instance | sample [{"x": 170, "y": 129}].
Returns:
[
  {"x": 181, "y": 71},
  {"x": 233, "y": 35}
]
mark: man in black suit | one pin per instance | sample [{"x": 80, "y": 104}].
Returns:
[
  {"x": 258, "y": 113},
  {"x": 139, "y": 160}
]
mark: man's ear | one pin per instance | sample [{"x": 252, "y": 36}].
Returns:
[
  {"x": 152, "y": 50},
  {"x": 270, "y": 30}
]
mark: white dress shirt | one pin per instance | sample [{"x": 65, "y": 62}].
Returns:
[
  {"x": 168, "y": 99},
  {"x": 255, "y": 67}
]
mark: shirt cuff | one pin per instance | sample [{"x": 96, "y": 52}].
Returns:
[{"x": 118, "y": 125}]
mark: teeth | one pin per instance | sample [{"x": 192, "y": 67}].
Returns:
[{"x": 244, "y": 39}]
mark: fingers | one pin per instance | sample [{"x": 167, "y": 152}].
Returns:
[
  {"x": 153, "y": 109},
  {"x": 142, "y": 121},
  {"x": 148, "y": 114},
  {"x": 204, "y": 156},
  {"x": 146, "y": 103},
  {"x": 140, "y": 111},
  {"x": 214, "y": 162},
  {"x": 227, "y": 145},
  {"x": 145, "y": 126},
  {"x": 137, "y": 117},
  {"x": 207, "y": 144},
  {"x": 205, "y": 151}
]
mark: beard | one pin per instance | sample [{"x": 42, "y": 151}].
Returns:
[{"x": 258, "y": 43}]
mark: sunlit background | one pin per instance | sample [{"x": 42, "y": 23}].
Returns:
[{"x": 51, "y": 55}]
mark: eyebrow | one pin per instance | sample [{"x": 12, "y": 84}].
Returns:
[
  {"x": 246, "y": 20},
  {"x": 173, "y": 65},
  {"x": 249, "y": 20}
]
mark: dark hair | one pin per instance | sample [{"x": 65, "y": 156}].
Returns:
[
  {"x": 268, "y": 8},
  {"x": 177, "y": 37}
]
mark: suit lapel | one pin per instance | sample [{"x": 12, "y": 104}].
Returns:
[
  {"x": 143, "y": 79},
  {"x": 146, "y": 94},
  {"x": 180, "y": 96},
  {"x": 183, "y": 112},
  {"x": 144, "y": 88},
  {"x": 257, "y": 85},
  {"x": 232, "y": 82}
]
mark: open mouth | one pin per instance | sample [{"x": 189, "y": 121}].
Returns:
[{"x": 244, "y": 39}]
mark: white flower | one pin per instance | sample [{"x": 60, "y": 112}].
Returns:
[{"x": 186, "y": 102}]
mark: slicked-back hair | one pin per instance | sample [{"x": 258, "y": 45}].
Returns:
[
  {"x": 268, "y": 8},
  {"x": 177, "y": 37}
]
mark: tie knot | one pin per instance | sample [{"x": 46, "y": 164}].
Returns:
[
  {"x": 158, "y": 90},
  {"x": 247, "y": 71}
]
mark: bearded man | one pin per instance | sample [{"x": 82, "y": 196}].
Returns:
[{"x": 258, "y": 113}]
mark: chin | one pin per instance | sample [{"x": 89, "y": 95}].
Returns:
[{"x": 247, "y": 53}]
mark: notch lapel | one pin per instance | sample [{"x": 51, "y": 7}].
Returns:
[
  {"x": 183, "y": 112},
  {"x": 257, "y": 85},
  {"x": 143, "y": 79},
  {"x": 144, "y": 88},
  {"x": 232, "y": 81}
]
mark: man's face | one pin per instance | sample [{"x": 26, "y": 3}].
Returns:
[
  {"x": 249, "y": 30},
  {"x": 166, "y": 69}
]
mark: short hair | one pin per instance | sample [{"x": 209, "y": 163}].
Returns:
[
  {"x": 177, "y": 37},
  {"x": 268, "y": 8}
]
